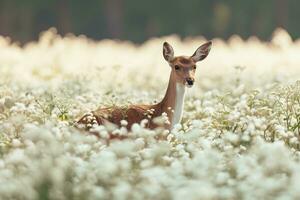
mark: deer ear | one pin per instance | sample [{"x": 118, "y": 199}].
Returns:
[
  {"x": 168, "y": 52},
  {"x": 202, "y": 52}
]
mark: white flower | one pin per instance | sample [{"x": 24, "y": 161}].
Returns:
[
  {"x": 16, "y": 143},
  {"x": 97, "y": 193},
  {"x": 238, "y": 138},
  {"x": 17, "y": 156},
  {"x": 18, "y": 107},
  {"x": 232, "y": 138},
  {"x": 121, "y": 191},
  {"x": 124, "y": 122}
]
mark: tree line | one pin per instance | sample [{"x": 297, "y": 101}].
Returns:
[{"x": 137, "y": 20}]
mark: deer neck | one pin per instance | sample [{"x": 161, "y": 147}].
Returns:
[{"x": 173, "y": 101}]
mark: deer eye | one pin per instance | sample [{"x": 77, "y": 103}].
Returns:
[
  {"x": 177, "y": 67},
  {"x": 194, "y": 67}
]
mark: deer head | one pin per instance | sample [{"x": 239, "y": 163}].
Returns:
[{"x": 184, "y": 67}]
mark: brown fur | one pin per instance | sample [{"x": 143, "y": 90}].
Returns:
[
  {"x": 185, "y": 61},
  {"x": 136, "y": 113}
]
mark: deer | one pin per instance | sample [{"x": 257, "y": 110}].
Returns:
[{"x": 182, "y": 76}]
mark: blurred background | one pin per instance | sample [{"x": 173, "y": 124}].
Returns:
[{"x": 137, "y": 20}]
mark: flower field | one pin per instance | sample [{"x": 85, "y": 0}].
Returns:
[{"x": 239, "y": 137}]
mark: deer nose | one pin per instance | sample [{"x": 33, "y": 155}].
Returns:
[{"x": 190, "y": 81}]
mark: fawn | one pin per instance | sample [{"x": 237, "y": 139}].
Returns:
[{"x": 182, "y": 75}]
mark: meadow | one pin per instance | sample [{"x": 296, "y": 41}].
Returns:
[{"x": 239, "y": 136}]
